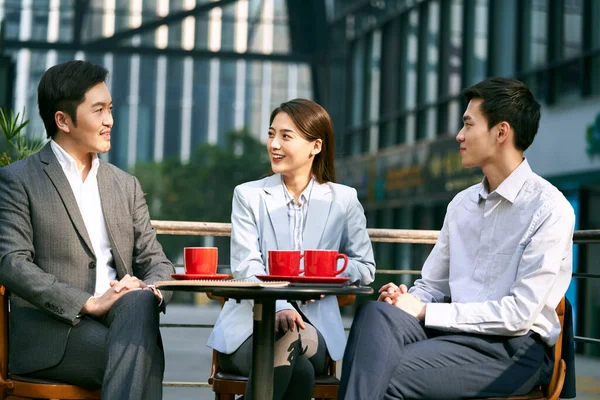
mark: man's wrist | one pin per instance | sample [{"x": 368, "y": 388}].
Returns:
[
  {"x": 87, "y": 307},
  {"x": 422, "y": 313},
  {"x": 157, "y": 293}
]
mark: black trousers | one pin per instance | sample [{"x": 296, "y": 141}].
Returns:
[
  {"x": 390, "y": 355},
  {"x": 122, "y": 351},
  {"x": 298, "y": 358}
]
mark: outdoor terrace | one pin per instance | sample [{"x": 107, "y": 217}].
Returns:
[{"x": 185, "y": 327}]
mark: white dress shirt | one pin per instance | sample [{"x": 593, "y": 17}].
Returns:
[
  {"x": 87, "y": 196},
  {"x": 297, "y": 213},
  {"x": 503, "y": 259}
]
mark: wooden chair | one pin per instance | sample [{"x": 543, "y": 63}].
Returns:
[
  {"x": 553, "y": 389},
  {"x": 227, "y": 386},
  {"x": 14, "y": 387}
]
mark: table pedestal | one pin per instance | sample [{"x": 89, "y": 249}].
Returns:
[
  {"x": 262, "y": 349},
  {"x": 263, "y": 339}
]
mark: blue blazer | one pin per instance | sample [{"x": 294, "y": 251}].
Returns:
[{"x": 259, "y": 223}]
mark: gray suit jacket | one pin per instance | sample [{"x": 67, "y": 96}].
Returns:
[
  {"x": 46, "y": 257},
  {"x": 259, "y": 223}
]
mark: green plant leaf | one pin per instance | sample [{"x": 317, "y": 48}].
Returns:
[{"x": 12, "y": 127}]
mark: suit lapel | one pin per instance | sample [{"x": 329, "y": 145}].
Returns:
[
  {"x": 277, "y": 209},
  {"x": 111, "y": 209},
  {"x": 318, "y": 212},
  {"x": 56, "y": 174}
]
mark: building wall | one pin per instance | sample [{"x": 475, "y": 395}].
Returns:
[
  {"x": 164, "y": 107},
  {"x": 405, "y": 64},
  {"x": 562, "y": 136}
]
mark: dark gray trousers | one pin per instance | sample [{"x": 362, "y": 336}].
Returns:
[
  {"x": 390, "y": 355},
  {"x": 122, "y": 351}
]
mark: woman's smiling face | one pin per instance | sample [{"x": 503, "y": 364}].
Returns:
[{"x": 290, "y": 153}]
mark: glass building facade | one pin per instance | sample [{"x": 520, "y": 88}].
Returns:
[
  {"x": 165, "y": 105},
  {"x": 424, "y": 52}
]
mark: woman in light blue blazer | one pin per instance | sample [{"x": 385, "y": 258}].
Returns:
[{"x": 298, "y": 207}]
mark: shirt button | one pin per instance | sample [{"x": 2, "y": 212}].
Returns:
[{"x": 92, "y": 265}]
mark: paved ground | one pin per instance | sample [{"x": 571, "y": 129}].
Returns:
[{"x": 188, "y": 359}]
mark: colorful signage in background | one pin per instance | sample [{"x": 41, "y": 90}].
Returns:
[
  {"x": 408, "y": 174},
  {"x": 573, "y": 290},
  {"x": 592, "y": 136},
  {"x": 445, "y": 172},
  {"x": 357, "y": 172}
]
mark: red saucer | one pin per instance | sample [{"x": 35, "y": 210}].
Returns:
[
  {"x": 187, "y": 277},
  {"x": 304, "y": 279}
]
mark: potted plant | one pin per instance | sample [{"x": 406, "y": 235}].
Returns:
[{"x": 14, "y": 144}]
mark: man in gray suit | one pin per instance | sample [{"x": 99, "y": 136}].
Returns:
[{"x": 78, "y": 252}]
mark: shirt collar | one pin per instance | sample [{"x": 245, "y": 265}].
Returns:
[
  {"x": 512, "y": 185},
  {"x": 303, "y": 197},
  {"x": 68, "y": 163}
]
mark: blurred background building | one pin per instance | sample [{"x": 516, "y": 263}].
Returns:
[
  {"x": 397, "y": 69},
  {"x": 211, "y": 70},
  {"x": 390, "y": 72}
]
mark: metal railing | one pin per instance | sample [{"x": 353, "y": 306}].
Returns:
[{"x": 377, "y": 235}]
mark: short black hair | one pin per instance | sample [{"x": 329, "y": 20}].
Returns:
[
  {"x": 63, "y": 88},
  {"x": 508, "y": 100}
]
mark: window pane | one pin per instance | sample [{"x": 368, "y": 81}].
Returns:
[
  {"x": 358, "y": 69},
  {"x": 538, "y": 84},
  {"x": 432, "y": 51},
  {"x": 355, "y": 142},
  {"x": 348, "y": 144},
  {"x": 595, "y": 25},
  {"x": 572, "y": 29},
  {"x": 431, "y": 115},
  {"x": 401, "y": 133},
  {"x": 568, "y": 82},
  {"x": 503, "y": 51},
  {"x": 387, "y": 134},
  {"x": 426, "y": 123},
  {"x": 456, "y": 31},
  {"x": 476, "y": 26},
  {"x": 412, "y": 46},
  {"x": 535, "y": 43},
  {"x": 454, "y": 117},
  {"x": 374, "y": 71},
  {"x": 596, "y": 75},
  {"x": 390, "y": 62},
  {"x": 410, "y": 129},
  {"x": 481, "y": 38},
  {"x": 364, "y": 139}
]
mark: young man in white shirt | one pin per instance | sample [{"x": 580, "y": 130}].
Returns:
[
  {"x": 481, "y": 320},
  {"x": 78, "y": 253}
]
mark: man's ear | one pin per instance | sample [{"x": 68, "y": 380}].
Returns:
[
  {"x": 63, "y": 121},
  {"x": 504, "y": 131},
  {"x": 318, "y": 144}
]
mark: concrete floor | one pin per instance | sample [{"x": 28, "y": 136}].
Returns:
[{"x": 189, "y": 360}]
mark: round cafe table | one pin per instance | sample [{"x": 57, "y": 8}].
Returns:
[{"x": 264, "y": 318}]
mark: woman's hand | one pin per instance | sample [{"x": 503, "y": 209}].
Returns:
[{"x": 286, "y": 320}]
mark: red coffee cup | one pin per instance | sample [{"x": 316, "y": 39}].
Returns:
[
  {"x": 323, "y": 263},
  {"x": 284, "y": 262},
  {"x": 200, "y": 260}
]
